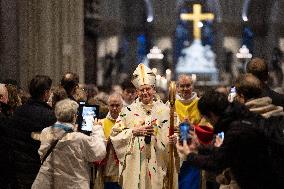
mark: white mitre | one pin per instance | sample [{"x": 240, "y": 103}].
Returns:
[{"x": 143, "y": 76}]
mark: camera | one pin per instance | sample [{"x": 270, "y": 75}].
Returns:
[{"x": 86, "y": 117}]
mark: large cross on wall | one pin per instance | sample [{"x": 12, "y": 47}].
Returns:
[{"x": 196, "y": 17}]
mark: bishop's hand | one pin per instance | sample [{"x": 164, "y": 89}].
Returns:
[
  {"x": 173, "y": 138},
  {"x": 143, "y": 130}
]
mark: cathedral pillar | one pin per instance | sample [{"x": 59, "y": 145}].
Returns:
[
  {"x": 9, "y": 68},
  {"x": 218, "y": 45},
  {"x": 131, "y": 62},
  {"x": 268, "y": 32},
  {"x": 134, "y": 17},
  {"x": 273, "y": 29},
  {"x": 50, "y": 38}
]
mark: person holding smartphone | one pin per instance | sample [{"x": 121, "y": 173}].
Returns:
[
  {"x": 245, "y": 148},
  {"x": 66, "y": 153}
]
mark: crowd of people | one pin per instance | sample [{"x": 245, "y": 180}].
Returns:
[{"x": 236, "y": 140}]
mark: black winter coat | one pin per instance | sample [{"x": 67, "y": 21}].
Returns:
[
  {"x": 5, "y": 166},
  {"x": 245, "y": 150},
  {"x": 31, "y": 117}
]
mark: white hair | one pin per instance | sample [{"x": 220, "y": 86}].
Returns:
[
  {"x": 65, "y": 110},
  {"x": 115, "y": 96},
  {"x": 184, "y": 76}
]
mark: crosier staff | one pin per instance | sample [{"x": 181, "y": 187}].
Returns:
[{"x": 172, "y": 98}]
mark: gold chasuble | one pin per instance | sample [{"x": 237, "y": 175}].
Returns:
[
  {"x": 142, "y": 165},
  {"x": 188, "y": 110}
]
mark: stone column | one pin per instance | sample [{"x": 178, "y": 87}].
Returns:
[
  {"x": 134, "y": 19},
  {"x": 273, "y": 29},
  {"x": 50, "y": 38},
  {"x": 9, "y": 68}
]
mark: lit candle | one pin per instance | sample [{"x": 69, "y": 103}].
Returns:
[
  {"x": 164, "y": 83},
  {"x": 193, "y": 77},
  {"x": 158, "y": 80},
  {"x": 168, "y": 75}
]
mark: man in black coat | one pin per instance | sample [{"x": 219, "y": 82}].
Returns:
[
  {"x": 245, "y": 149},
  {"x": 5, "y": 172},
  {"x": 29, "y": 118},
  {"x": 259, "y": 68}
]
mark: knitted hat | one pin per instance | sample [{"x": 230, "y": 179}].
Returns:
[{"x": 204, "y": 134}]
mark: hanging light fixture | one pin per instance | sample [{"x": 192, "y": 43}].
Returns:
[
  {"x": 244, "y": 53},
  {"x": 155, "y": 53}
]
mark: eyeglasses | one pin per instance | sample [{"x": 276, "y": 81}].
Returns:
[
  {"x": 115, "y": 105},
  {"x": 183, "y": 86}
]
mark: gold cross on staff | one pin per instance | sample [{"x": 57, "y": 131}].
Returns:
[{"x": 196, "y": 17}]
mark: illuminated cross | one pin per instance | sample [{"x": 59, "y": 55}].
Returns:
[{"x": 196, "y": 17}]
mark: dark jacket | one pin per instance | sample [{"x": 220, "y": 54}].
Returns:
[
  {"x": 277, "y": 99},
  {"x": 5, "y": 172},
  {"x": 244, "y": 149},
  {"x": 30, "y": 117}
]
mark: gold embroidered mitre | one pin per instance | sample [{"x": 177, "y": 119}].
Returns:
[{"x": 143, "y": 76}]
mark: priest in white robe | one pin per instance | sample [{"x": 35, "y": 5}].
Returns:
[{"x": 140, "y": 137}]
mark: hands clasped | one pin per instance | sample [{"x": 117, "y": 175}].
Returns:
[{"x": 143, "y": 130}]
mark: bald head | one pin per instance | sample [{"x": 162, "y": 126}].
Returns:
[
  {"x": 185, "y": 86},
  {"x": 70, "y": 82},
  {"x": 248, "y": 86},
  {"x": 115, "y": 97},
  {"x": 3, "y": 94},
  {"x": 114, "y": 104},
  {"x": 184, "y": 78},
  {"x": 259, "y": 68}
]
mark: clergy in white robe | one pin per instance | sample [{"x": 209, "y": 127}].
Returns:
[{"x": 140, "y": 137}]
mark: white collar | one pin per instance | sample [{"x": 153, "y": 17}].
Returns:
[
  {"x": 109, "y": 117},
  {"x": 187, "y": 101}
]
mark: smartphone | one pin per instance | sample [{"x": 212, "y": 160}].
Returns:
[
  {"x": 184, "y": 129},
  {"x": 221, "y": 135},
  {"x": 86, "y": 117},
  {"x": 232, "y": 95}
]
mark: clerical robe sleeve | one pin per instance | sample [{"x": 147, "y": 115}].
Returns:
[
  {"x": 94, "y": 146},
  {"x": 121, "y": 137}
]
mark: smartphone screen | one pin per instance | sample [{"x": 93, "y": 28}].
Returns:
[
  {"x": 221, "y": 135},
  {"x": 87, "y": 115},
  {"x": 232, "y": 94},
  {"x": 184, "y": 128}
]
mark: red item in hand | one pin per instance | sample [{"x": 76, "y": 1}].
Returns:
[{"x": 204, "y": 134}]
